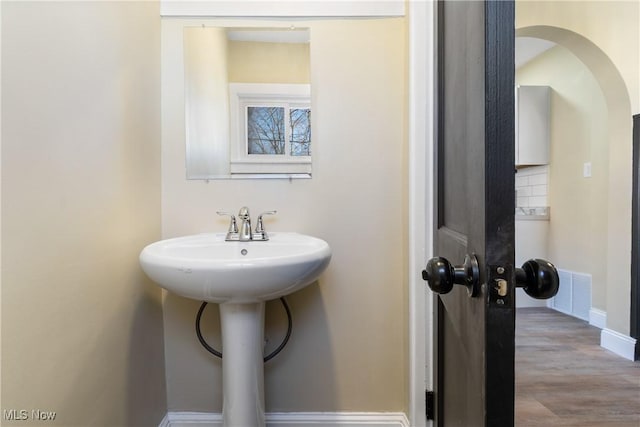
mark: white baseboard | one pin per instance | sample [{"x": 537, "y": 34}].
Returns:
[
  {"x": 294, "y": 419},
  {"x": 165, "y": 421},
  {"x": 618, "y": 343},
  {"x": 598, "y": 318}
]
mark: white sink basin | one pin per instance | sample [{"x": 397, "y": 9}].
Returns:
[
  {"x": 207, "y": 268},
  {"x": 240, "y": 276}
]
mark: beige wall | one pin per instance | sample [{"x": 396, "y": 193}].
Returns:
[
  {"x": 606, "y": 37},
  {"x": 81, "y": 326},
  {"x": 0, "y": 205},
  {"x": 612, "y": 25},
  {"x": 349, "y": 348},
  {"x": 577, "y": 231},
  {"x": 252, "y": 62}
]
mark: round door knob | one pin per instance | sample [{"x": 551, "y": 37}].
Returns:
[
  {"x": 441, "y": 275},
  {"x": 539, "y": 278}
]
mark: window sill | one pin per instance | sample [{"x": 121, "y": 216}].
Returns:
[{"x": 284, "y": 168}]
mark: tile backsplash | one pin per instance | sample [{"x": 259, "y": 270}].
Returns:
[{"x": 532, "y": 187}]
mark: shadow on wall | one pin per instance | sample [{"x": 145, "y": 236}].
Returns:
[
  {"x": 147, "y": 397},
  {"x": 134, "y": 396},
  {"x": 285, "y": 375}
]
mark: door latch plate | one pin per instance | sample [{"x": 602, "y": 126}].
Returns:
[{"x": 500, "y": 292}]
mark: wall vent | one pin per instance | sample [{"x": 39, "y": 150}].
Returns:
[{"x": 574, "y": 296}]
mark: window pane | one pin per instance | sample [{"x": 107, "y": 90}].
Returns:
[
  {"x": 265, "y": 130},
  {"x": 300, "y": 132}
]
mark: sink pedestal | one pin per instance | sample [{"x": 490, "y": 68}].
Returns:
[
  {"x": 242, "y": 364},
  {"x": 239, "y": 276}
]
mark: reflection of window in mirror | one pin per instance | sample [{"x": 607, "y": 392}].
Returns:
[
  {"x": 265, "y": 130},
  {"x": 270, "y": 128},
  {"x": 300, "y": 137},
  {"x": 247, "y": 102},
  {"x": 282, "y": 130}
]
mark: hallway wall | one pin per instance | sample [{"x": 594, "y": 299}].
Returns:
[
  {"x": 606, "y": 37},
  {"x": 578, "y": 221},
  {"x": 611, "y": 25}
]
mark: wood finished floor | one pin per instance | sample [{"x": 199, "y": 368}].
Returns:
[{"x": 564, "y": 377}]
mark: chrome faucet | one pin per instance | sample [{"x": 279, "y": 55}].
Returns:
[{"x": 244, "y": 233}]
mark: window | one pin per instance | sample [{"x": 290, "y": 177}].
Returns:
[
  {"x": 271, "y": 129},
  {"x": 278, "y": 130}
]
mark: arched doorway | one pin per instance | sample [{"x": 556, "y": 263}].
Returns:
[{"x": 617, "y": 200}]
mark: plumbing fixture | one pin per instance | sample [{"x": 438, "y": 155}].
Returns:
[
  {"x": 260, "y": 233},
  {"x": 205, "y": 267},
  {"x": 232, "y": 233},
  {"x": 244, "y": 233}
]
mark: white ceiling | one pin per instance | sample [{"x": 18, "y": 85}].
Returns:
[{"x": 270, "y": 35}]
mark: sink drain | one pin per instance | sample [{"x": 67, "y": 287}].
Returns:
[{"x": 244, "y": 252}]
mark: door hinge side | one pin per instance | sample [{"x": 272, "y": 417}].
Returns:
[{"x": 429, "y": 404}]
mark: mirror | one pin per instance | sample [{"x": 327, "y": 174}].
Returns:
[{"x": 229, "y": 71}]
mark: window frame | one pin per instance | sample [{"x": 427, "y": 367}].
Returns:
[{"x": 244, "y": 95}]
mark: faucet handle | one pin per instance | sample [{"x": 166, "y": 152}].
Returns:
[
  {"x": 232, "y": 233},
  {"x": 260, "y": 234}
]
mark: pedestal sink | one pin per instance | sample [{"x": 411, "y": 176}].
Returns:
[{"x": 240, "y": 276}]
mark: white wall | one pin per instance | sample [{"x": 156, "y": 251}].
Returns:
[
  {"x": 81, "y": 325},
  {"x": 349, "y": 348}
]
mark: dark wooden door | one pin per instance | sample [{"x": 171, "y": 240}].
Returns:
[{"x": 475, "y": 212}]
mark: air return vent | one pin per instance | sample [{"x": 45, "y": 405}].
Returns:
[{"x": 574, "y": 295}]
